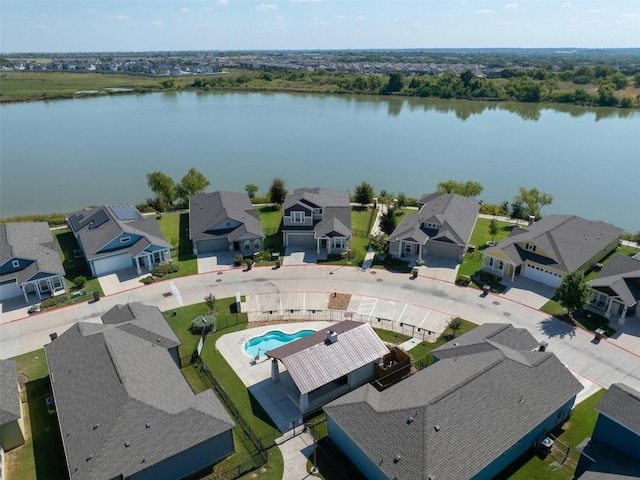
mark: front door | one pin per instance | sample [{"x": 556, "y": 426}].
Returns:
[{"x": 323, "y": 243}]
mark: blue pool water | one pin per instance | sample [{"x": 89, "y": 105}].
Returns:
[{"x": 272, "y": 339}]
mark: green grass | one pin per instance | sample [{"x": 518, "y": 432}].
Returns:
[
  {"x": 174, "y": 227},
  {"x": 580, "y": 426},
  {"x": 423, "y": 349},
  {"x": 388, "y": 336},
  {"x": 42, "y": 455},
  {"x": 270, "y": 220},
  {"x": 591, "y": 274},
  {"x": 473, "y": 261}
]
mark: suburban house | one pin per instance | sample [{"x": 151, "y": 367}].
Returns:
[
  {"x": 317, "y": 218},
  {"x": 441, "y": 228},
  {"x": 619, "y": 419},
  {"x": 616, "y": 289},
  {"x": 11, "y": 423},
  {"x": 124, "y": 408},
  {"x": 116, "y": 237},
  {"x": 29, "y": 261},
  {"x": 491, "y": 394},
  {"x": 550, "y": 248},
  {"x": 325, "y": 365},
  {"x": 224, "y": 222}
]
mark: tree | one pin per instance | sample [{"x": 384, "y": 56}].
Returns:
[
  {"x": 493, "y": 228},
  {"x": 395, "y": 83},
  {"x": 573, "y": 292},
  {"x": 517, "y": 209},
  {"x": 251, "y": 189},
  {"x": 388, "y": 221},
  {"x": 210, "y": 300},
  {"x": 534, "y": 200},
  {"x": 636, "y": 238},
  {"x": 364, "y": 194},
  {"x": 277, "y": 192},
  {"x": 504, "y": 206},
  {"x": 636, "y": 80},
  {"x": 454, "y": 325},
  {"x": 468, "y": 189},
  {"x": 193, "y": 182},
  {"x": 163, "y": 186},
  {"x": 379, "y": 243},
  {"x": 402, "y": 201}
]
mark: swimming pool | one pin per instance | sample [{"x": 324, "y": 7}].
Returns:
[{"x": 272, "y": 339}]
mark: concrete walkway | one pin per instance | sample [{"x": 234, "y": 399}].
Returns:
[{"x": 375, "y": 229}]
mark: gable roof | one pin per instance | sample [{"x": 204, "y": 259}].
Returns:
[
  {"x": 31, "y": 241},
  {"x": 9, "y": 395},
  {"x": 122, "y": 403},
  {"x": 502, "y": 389},
  {"x": 313, "y": 361},
  {"x": 568, "y": 241},
  {"x": 206, "y": 210},
  {"x": 98, "y": 226},
  {"x": 621, "y": 404},
  {"x": 336, "y": 210},
  {"x": 455, "y": 214},
  {"x": 620, "y": 277}
]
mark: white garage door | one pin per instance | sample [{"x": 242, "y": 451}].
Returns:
[
  {"x": 213, "y": 245},
  {"x": 541, "y": 275},
  {"x": 298, "y": 240},
  {"x": 112, "y": 264},
  {"x": 9, "y": 290},
  {"x": 444, "y": 250}
]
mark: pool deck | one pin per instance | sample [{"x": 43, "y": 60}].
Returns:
[{"x": 295, "y": 445}]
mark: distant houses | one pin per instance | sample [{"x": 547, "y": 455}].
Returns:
[
  {"x": 11, "y": 422},
  {"x": 616, "y": 289}
]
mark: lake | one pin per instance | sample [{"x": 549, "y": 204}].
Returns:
[{"x": 60, "y": 156}]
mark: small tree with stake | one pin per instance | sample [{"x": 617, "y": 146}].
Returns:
[
  {"x": 493, "y": 229},
  {"x": 454, "y": 325},
  {"x": 573, "y": 292}
]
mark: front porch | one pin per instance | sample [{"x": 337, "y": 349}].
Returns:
[
  {"x": 43, "y": 287},
  {"x": 148, "y": 260},
  {"x": 500, "y": 268},
  {"x": 611, "y": 307},
  {"x": 326, "y": 246}
]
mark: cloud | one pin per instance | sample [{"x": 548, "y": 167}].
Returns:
[
  {"x": 92, "y": 11},
  {"x": 263, "y": 7},
  {"x": 485, "y": 11},
  {"x": 566, "y": 5},
  {"x": 158, "y": 23},
  {"x": 123, "y": 18},
  {"x": 222, "y": 2},
  {"x": 306, "y": 1},
  {"x": 593, "y": 10},
  {"x": 280, "y": 21},
  {"x": 360, "y": 18},
  {"x": 318, "y": 21},
  {"x": 185, "y": 10},
  {"x": 630, "y": 16},
  {"x": 340, "y": 17},
  {"x": 511, "y": 6}
]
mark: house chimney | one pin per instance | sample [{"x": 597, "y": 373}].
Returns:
[{"x": 332, "y": 337}]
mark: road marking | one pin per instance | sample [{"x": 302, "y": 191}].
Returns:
[
  {"x": 424, "y": 318},
  {"x": 401, "y": 313},
  {"x": 304, "y": 302}
]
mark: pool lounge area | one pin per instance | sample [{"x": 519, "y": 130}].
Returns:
[{"x": 257, "y": 346}]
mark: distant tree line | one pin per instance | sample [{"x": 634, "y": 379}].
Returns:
[{"x": 586, "y": 85}]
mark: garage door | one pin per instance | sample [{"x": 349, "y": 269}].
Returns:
[
  {"x": 9, "y": 289},
  {"x": 444, "y": 250},
  {"x": 112, "y": 264},
  {"x": 213, "y": 245},
  {"x": 298, "y": 240},
  {"x": 541, "y": 275}
]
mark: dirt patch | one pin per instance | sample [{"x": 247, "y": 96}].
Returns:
[{"x": 339, "y": 301}]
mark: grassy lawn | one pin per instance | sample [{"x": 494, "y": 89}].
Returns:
[
  {"x": 388, "y": 336},
  {"x": 480, "y": 236},
  {"x": 174, "y": 227},
  {"x": 270, "y": 220},
  {"x": 629, "y": 252},
  {"x": 580, "y": 426},
  {"x": 423, "y": 349},
  {"x": 42, "y": 455}
]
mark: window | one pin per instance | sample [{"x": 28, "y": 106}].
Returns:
[
  {"x": 256, "y": 244},
  {"x": 157, "y": 256},
  {"x": 125, "y": 239},
  {"x": 317, "y": 211},
  {"x": 531, "y": 248},
  {"x": 297, "y": 217},
  {"x": 247, "y": 244},
  {"x": 15, "y": 263},
  {"x": 338, "y": 242},
  {"x": 491, "y": 261},
  {"x": 407, "y": 248},
  {"x": 501, "y": 265}
]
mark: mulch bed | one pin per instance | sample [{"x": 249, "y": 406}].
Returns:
[{"x": 339, "y": 301}]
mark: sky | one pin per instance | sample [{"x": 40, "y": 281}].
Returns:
[{"x": 165, "y": 25}]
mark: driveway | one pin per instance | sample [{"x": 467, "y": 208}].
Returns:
[
  {"x": 121, "y": 281},
  {"x": 212, "y": 262},
  {"x": 528, "y": 292},
  {"x": 299, "y": 256},
  {"x": 437, "y": 268}
]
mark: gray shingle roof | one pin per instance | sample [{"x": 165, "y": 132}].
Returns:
[
  {"x": 98, "y": 226},
  {"x": 206, "y": 210},
  {"x": 480, "y": 402},
  {"x": 120, "y": 398},
  {"x": 336, "y": 210},
  {"x": 568, "y": 241},
  {"x": 32, "y": 241},
  {"x": 456, "y": 214},
  {"x": 621, "y": 404},
  {"x": 9, "y": 395},
  {"x": 620, "y": 277},
  {"x": 313, "y": 361}
]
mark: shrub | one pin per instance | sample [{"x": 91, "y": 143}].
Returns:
[
  {"x": 80, "y": 281},
  {"x": 420, "y": 262},
  {"x": 237, "y": 260},
  {"x": 147, "y": 280},
  {"x": 165, "y": 269},
  {"x": 463, "y": 280},
  {"x": 210, "y": 300},
  {"x": 53, "y": 301}
]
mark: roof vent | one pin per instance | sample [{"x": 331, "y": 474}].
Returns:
[
  {"x": 126, "y": 444},
  {"x": 158, "y": 340},
  {"x": 89, "y": 457},
  {"x": 436, "y": 428},
  {"x": 332, "y": 336},
  {"x": 396, "y": 459},
  {"x": 412, "y": 418},
  {"x": 147, "y": 425},
  {"x": 96, "y": 426}
]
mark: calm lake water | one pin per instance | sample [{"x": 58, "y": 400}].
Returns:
[{"x": 59, "y": 156}]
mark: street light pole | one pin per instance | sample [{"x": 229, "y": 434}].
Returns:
[{"x": 315, "y": 446}]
